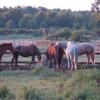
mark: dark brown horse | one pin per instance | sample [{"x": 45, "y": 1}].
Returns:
[
  {"x": 26, "y": 51},
  {"x": 55, "y": 53},
  {"x": 4, "y": 47}
]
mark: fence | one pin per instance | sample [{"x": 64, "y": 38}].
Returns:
[{"x": 43, "y": 44}]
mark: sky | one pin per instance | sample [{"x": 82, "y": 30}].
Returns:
[{"x": 74, "y": 5}]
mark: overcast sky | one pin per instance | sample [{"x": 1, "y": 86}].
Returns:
[{"x": 74, "y": 5}]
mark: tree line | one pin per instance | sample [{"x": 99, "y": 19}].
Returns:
[{"x": 35, "y": 18}]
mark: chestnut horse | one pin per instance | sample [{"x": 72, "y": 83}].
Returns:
[
  {"x": 4, "y": 47},
  {"x": 26, "y": 51},
  {"x": 55, "y": 52},
  {"x": 75, "y": 49}
]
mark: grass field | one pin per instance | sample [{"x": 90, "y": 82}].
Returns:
[
  {"x": 46, "y": 84},
  {"x": 41, "y": 83}
]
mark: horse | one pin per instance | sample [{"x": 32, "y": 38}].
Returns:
[
  {"x": 75, "y": 49},
  {"x": 4, "y": 47},
  {"x": 26, "y": 51},
  {"x": 55, "y": 52},
  {"x": 62, "y": 44}
]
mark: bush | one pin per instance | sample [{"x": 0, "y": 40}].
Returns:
[
  {"x": 5, "y": 93},
  {"x": 35, "y": 94},
  {"x": 88, "y": 95}
]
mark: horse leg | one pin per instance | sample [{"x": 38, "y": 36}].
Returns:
[
  {"x": 92, "y": 55},
  {"x": 59, "y": 63},
  {"x": 55, "y": 63},
  {"x": 51, "y": 64},
  {"x": 68, "y": 58},
  {"x": 12, "y": 61},
  {"x": 75, "y": 59},
  {"x": 75, "y": 63},
  {"x": 72, "y": 63},
  {"x": 0, "y": 61},
  {"x": 33, "y": 59},
  {"x": 68, "y": 61},
  {"x": 88, "y": 58},
  {"x": 16, "y": 60}
]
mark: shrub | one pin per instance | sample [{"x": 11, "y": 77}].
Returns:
[
  {"x": 88, "y": 95},
  {"x": 5, "y": 94},
  {"x": 36, "y": 94}
]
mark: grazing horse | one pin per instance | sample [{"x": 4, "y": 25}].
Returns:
[
  {"x": 4, "y": 47},
  {"x": 75, "y": 49},
  {"x": 26, "y": 51},
  {"x": 63, "y": 44},
  {"x": 55, "y": 52}
]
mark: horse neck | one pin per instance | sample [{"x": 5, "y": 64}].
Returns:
[
  {"x": 37, "y": 51},
  {"x": 4, "y": 48}
]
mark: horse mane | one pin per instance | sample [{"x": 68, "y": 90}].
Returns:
[
  {"x": 36, "y": 48},
  {"x": 51, "y": 44},
  {"x": 5, "y": 44}
]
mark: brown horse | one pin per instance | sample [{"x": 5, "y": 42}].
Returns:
[
  {"x": 4, "y": 47},
  {"x": 55, "y": 52},
  {"x": 26, "y": 51}
]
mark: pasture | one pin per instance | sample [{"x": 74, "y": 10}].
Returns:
[
  {"x": 46, "y": 84},
  {"x": 42, "y": 83}
]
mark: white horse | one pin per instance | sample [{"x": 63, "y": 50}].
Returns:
[{"x": 73, "y": 51}]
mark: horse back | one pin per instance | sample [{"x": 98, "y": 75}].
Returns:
[
  {"x": 85, "y": 48},
  {"x": 51, "y": 50},
  {"x": 25, "y": 50}
]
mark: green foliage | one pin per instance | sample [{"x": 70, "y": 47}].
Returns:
[
  {"x": 74, "y": 36},
  {"x": 29, "y": 20},
  {"x": 96, "y": 6},
  {"x": 47, "y": 84},
  {"x": 88, "y": 94},
  {"x": 36, "y": 94},
  {"x": 45, "y": 72},
  {"x": 60, "y": 33},
  {"x": 12, "y": 32},
  {"x": 30, "y": 17},
  {"x": 5, "y": 94},
  {"x": 37, "y": 71}
]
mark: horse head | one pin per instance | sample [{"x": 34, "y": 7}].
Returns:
[
  {"x": 39, "y": 57},
  {"x": 69, "y": 43},
  {"x": 9, "y": 46},
  {"x": 38, "y": 53}
]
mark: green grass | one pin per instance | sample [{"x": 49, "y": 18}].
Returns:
[
  {"x": 46, "y": 84},
  {"x": 18, "y": 36}
]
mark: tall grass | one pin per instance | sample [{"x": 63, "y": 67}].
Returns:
[
  {"x": 5, "y": 93},
  {"x": 46, "y": 84}
]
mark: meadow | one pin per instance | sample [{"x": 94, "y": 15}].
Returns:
[
  {"x": 46, "y": 84},
  {"x": 42, "y": 83}
]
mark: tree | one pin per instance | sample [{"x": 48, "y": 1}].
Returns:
[
  {"x": 10, "y": 24},
  {"x": 96, "y": 6}
]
